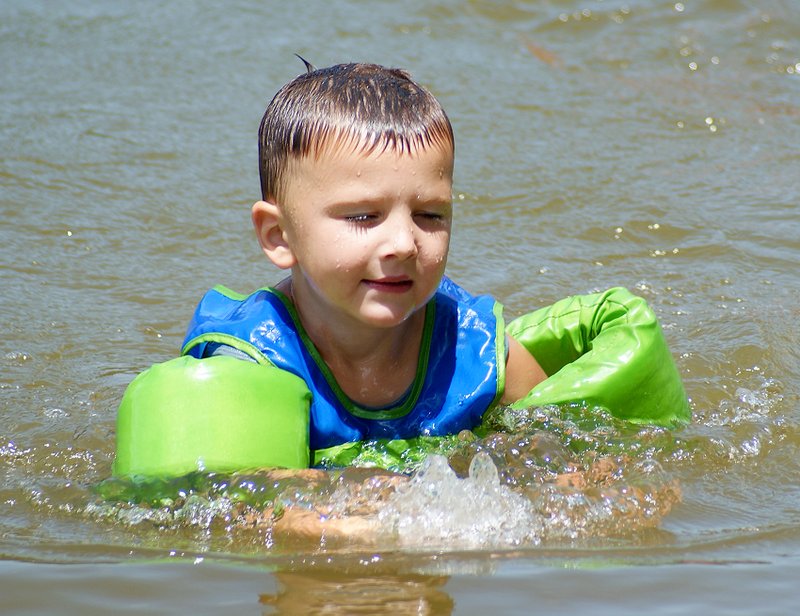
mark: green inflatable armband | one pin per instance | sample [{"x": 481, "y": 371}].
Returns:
[
  {"x": 218, "y": 414},
  {"x": 607, "y": 350}
]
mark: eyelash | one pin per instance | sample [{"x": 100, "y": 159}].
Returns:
[
  {"x": 359, "y": 218},
  {"x": 366, "y": 219}
]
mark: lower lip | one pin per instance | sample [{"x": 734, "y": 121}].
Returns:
[{"x": 390, "y": 287}]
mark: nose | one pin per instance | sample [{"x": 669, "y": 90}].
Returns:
[{"x": 401, "y": 238}]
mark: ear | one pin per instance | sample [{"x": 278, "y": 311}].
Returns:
[{"x": 270, "y": 224}]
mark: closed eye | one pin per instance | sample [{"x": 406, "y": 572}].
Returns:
[
  {"x": 360, "y": 218},
  {"x": 431, "y": 215},
  {"x": 435, "y": 215}
]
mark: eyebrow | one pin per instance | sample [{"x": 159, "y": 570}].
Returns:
[
  {"x": 380, "y": 201},
  {"x": 354, "y": 203}
]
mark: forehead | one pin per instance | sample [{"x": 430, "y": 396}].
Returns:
[
  {"x": 341, "y": 175},
  {"x": 345, "y": 155}
]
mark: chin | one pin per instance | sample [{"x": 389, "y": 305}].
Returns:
[{"x": 387, "y": 317}]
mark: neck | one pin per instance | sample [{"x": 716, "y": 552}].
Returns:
[{"x": 374, "y": 366}]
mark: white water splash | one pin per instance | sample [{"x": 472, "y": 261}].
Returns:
[
  {"x": 437, "y": 507},
  {"x": 748, "y": 423},
  {"x": 749, "y": 406}
]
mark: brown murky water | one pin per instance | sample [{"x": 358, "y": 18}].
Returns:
[{"x": 646, "y": 144}]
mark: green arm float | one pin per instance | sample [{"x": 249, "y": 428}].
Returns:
[
  {"x": 607, "y": 350},
  {"x": 216, "y": 414}
]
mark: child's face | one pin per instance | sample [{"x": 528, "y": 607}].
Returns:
[{"x": 369, "y": 232}]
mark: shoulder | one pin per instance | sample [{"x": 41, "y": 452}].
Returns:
[
  {"x": 260, "y": 324},
  {"x": 257, "y": 319},
  {"x": 474, "y": 320},
  {"x": 448, "y": 288},
  {"x": 453, "y": 296},
  {"x": 221, "y": 301}
]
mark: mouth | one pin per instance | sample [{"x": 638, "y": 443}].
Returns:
[{"x": 391, "y": 284}]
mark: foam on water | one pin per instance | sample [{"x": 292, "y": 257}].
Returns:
[
  {"x": 436, "y": 507},
  {"x": 743, "y": 424},
  {"x": 497, "y": 492},
  {"x": 538, "y": 476}
]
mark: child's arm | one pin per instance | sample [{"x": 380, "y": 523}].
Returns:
[{"x": 523, "y": 372}]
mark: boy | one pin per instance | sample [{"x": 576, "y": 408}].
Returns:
[{"x": 356, "y": 167}]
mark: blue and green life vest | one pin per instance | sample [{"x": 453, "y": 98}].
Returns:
[{"x": 458, "y": 373}]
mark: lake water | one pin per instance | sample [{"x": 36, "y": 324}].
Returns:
[{"x": 643, "y": 143}]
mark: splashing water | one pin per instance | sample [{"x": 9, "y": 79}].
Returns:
[
  {"x": 436, "y": 506},
  {"x": 580, "y": 480},
  {"x": 479, "y": 511}
]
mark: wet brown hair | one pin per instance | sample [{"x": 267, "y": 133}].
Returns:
[{"x": 365, "y": 106}]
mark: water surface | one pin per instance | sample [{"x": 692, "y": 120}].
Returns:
[{"x": 651, "y": 145}]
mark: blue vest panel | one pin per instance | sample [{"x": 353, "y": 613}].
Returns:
[{"x": 457, "y": 379}]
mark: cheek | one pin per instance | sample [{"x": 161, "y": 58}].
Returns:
[
  {"x": 341, "y": 250},
  {"x": 432, "y": 261},
  {"x": 438, "y": 245}
]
